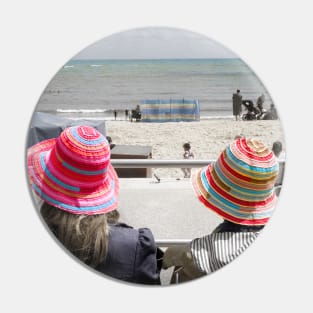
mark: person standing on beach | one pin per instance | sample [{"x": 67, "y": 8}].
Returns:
[
  {"x": 126, "y": 114},
  {"x": 115, "y": 114},
  {"x": 259, "y": 102},
  {"x": 237, "y": 102},
  {"x": 239, "y": 188},
  {"x": 188, "y": 154}
]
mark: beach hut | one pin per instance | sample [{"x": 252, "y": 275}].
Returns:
[{"x": 172, "y": 110}]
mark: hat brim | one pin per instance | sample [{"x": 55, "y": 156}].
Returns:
[
  {"x": 239, "y": 212},
  {"x": 99, "y": 200}
]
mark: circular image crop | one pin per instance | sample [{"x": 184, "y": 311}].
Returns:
[{"x": 155, "y": 156}]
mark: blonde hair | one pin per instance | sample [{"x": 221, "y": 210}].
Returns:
[{"x": 85, "y": 236}]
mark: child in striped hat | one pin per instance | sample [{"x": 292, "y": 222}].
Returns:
[
  {"x": 73, "y": 176},
  {"x": 239, "y": 187}
]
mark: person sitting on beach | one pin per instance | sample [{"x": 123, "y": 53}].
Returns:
[
  {"x": 188, "y": 154},
  {"x": 73, "y": 176},
  {"x": 253, "y": 111},
  {"x": 273, "y": 112},
  {"x": 239, "y": 187}
]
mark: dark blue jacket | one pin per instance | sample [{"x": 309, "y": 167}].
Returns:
[{"x": 132, "y": 255}]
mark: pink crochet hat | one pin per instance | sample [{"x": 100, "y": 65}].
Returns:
[{"x": 73, "y": 172}]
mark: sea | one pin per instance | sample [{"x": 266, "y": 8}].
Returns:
[{"x": 95, "y": 88}]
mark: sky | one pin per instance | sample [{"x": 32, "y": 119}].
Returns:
[{"x": 155, "y": 43}]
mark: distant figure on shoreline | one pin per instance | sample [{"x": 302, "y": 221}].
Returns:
[
  {"x": 237, "y": 101},
  {"x": 188, "y": 154},
  {"x": 259, "y": 103},
  {"x": 273, "y": 112},
  {"x": 126, "y": 114},
  {"x": 115, "y": 114},
  {"x": 136, "y": 114}
]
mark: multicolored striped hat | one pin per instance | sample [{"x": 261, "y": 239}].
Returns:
[
  {"x": 73, "y": 172},
  {"x": 239, "y": 186}
]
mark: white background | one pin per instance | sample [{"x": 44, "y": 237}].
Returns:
[{"x": 273, "y": 37}]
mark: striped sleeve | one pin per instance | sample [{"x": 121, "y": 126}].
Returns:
[{"x": 214, "y": 251}]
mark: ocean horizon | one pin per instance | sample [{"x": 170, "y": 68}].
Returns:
[{"x": 92, "y": 87}]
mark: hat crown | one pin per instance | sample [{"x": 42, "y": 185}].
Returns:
[
  {"x": 239, "y": 186},
  {"x": 250, "y": 161},
  {"x": 73, "y": 172},
  {"x": 83, "y": 152}
]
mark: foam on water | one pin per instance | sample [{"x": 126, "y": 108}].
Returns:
[{"x": 106, "y": 85}]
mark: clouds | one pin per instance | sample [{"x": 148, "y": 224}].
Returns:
[{"x": 155, "y": 43}]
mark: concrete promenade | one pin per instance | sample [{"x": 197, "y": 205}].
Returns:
[{"x": 169, "y": 208}]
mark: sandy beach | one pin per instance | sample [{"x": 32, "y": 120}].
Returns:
[{"x": 207, "y": 137}]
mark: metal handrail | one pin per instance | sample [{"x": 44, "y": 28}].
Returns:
[
  {"x": 172, "y": 242},
  {"x": 143, "y": 163},
  {"x": 149, "y": 163}
]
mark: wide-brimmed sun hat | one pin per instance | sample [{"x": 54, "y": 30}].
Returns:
[
  {"x": 73, "y": 172},
  {"x": 239, "y": 186}
]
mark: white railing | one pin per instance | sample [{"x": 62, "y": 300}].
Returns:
[
  {"x": 151, "y": 163},
  {"x": 172, "y": 242}
]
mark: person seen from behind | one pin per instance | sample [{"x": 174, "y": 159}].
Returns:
[
  {"x": 237, "y": 104},
  {"x": 260, "y": 102},
  {"x": 73, "y": 176},
  {"x": 239, "y": 188},
  {"x": 273, "y": 112}
]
